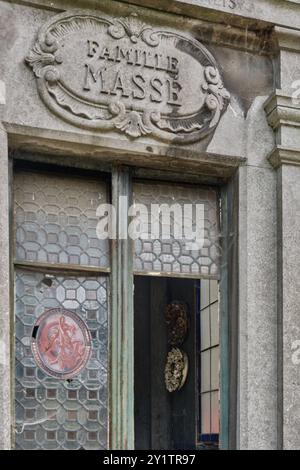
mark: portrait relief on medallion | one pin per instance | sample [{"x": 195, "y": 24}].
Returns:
[
  {"x": 120, "y": 74},
  {"x": 61, "y": 343}
]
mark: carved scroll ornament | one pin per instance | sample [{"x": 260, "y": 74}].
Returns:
[{"x": 122, "y": 75}]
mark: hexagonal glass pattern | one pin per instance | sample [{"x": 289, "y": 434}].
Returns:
[
  {"x": 174, "y": 255},
  {"x": 55, "y": 219},
  {"x": 53, "y": 413}
]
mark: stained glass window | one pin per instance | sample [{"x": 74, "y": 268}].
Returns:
[
  {"x": 61, "y": 319},
  {"x": 53, "y": 413},
  {"x": 178, "y": 253},
  {"x": 55, "y": 219}
]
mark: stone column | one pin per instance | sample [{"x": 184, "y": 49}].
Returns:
[
  {"x": 5, "y": 333},
  {"x": 283, "y": 111},
  {"x": 257, "y": 245}
]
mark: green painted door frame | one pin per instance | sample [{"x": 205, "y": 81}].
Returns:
[
  {"x": 122, "y": 319},
  {"x": 122, "y": 329}
]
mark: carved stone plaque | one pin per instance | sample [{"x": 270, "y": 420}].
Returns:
[
  {"x": 120, "y": 74},
  {"x": 61, "y": 343}
]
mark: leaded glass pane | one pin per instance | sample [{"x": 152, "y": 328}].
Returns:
[
  {"x": 204, "y": 294},
  {"x": 205, "y": 371},
  {"x": 215, "y": 416},
  {"x": 205, "y": 329},
  {"x": 205, "y": 413},
  {"x": 53, "y": 413},
  {"x": 176, "y": 252},
  {"x": 55, "y": 219},
  {"x": 214, "y": 319},
  {"x": 213, "y": 291},
  {"x": 215, "y": 359},
  {"x": 209, "y": 362}
]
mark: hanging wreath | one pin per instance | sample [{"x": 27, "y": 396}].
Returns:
[
  {"x": 177, "y": 323},
  {"x": 176, "y": 370}
]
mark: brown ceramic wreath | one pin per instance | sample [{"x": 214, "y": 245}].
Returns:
[{"x": 177, "y": 323}]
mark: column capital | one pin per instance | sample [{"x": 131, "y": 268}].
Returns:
[
  {"x": 284, "y": 156},
  {"x": 283, "y": 115},
  {"x": 283, "y": 109}
]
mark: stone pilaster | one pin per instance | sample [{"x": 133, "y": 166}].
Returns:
[
  {"x": 5, "y": 334},
  {"x": 283, "y": 112}
]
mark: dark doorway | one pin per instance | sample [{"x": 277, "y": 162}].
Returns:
[{"x": 163, "y": 420}]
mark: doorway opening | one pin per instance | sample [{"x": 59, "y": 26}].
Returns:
[{"x": 183, "y": 414}]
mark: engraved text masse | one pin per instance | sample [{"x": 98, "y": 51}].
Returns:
[{"x": 134, "y": 85}]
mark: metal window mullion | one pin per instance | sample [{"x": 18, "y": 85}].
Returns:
[{"x": 122, "y": 326}]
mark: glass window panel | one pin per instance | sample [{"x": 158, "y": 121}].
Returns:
[
  {"x": 64, "y": 411},
  {"x": 205, "y": 371},
  {"x": 215, "y": 418},
  {"x": 173, "y": 251},
  {"x": 204, "y": 293},
  {"x": 213, "y": 291},
  {"x": 55, "y": 219},
  {"x": 215, "y": 359},
  {"x": 214, "y": 321},
  {"x": 205, "y": 328},
  {"x": 205, "y": 413}
]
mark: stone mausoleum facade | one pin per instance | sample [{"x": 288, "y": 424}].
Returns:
[{"x": 136, "y": 342}]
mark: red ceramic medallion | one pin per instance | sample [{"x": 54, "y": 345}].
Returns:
[{"x": 61, "y": 343}]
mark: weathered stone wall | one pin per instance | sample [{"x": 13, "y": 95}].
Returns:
[{"x": 248, "y": 44}]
